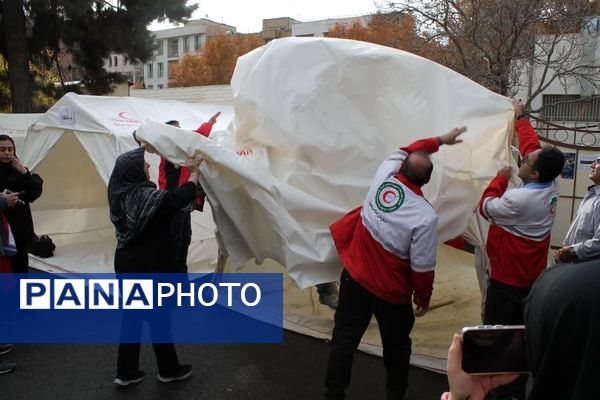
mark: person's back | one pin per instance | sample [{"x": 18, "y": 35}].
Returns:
[
  {"x": 562, "y": 340},
  {"x": 562, "y": 318}
]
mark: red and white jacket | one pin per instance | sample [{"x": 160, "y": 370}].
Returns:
[
  {"x": 389, "y": 244},
  {"x": 164, "y": 172},
  {"x": 521, "y": 218}
]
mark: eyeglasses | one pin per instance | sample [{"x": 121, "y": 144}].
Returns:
[{"x": 525, "y": 160}]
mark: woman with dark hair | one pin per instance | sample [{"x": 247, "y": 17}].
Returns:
[
  {"x": 142, "y": 215},
  {"x": 562, "y": 337},
  {"x": 16, "y": 178}
]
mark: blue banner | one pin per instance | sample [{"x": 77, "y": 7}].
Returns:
[{"x": 130, "y": 308}]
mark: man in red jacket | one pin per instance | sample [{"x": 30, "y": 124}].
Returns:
[
  {"x": 388, "y": 247},
  {"x": 171, "y": 177},
  {"x": 519, "y": 237},
  {"x": 521, "y": 218}
]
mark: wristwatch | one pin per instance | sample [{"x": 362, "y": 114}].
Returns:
[{"x": 572, "y": 252}]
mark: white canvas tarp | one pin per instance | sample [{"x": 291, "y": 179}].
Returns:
[{"x": 314, "y": 118}]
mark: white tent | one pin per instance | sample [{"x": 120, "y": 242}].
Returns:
[
  {"x": 16, "y": 126},
  {"x": 73, "y": 147}
]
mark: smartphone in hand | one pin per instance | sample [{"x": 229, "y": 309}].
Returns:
[{"x": 494, "y": 349}]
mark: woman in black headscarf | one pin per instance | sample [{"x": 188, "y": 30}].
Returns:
[
  {"x": 562, "y": 337},
  {"x": 16, "y": 178},
  {"x": 142, "y": 215},
  {"x": 562, "y": 319}
]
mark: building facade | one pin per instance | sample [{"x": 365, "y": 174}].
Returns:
[
  {"x": 171, "y": 45},
  {"x": 174, "y": 43},
  {"x": 321, "y": 27},
  {"x": 120, "y": 63},
  {"x": 275, "y": 28}
]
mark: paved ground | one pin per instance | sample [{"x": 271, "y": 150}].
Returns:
[{"x": 293, "y": 370}]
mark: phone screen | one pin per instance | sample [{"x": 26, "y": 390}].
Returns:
[{"x": 494, "y": 350}]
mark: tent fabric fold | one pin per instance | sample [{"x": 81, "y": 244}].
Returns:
[{"x": 318, "y": 115}]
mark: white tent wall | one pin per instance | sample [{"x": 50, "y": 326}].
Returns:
[
  {"x": 16, "y": 126},
  {"x": 73, "y": 147}
]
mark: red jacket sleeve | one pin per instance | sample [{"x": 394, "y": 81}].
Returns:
[
  {"x": 430, "y": 145},
  {"x": 162, "y": 177},
  {"x": 204, "y": 129},
  {"x": 496, "y": 188},
  {"x": 422, "y": 286},
  {"x": 528, "y": 138}
]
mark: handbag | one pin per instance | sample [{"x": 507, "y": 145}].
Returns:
[{"x": 42, "y": 246}]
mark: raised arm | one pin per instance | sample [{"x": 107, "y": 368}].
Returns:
[{"x": 528, "y": 138}]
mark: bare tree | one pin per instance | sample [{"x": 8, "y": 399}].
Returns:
[{"x": 507, "y": 45}]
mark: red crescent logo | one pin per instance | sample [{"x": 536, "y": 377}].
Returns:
[
  {"x": 388, "y": 196},
  {"x": 123, "y": 115}
]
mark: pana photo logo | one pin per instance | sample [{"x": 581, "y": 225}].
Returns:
[
  {"x": 135, "y": 294},
  {"x": 176, "y": 308}
]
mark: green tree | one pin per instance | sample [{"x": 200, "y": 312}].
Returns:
[{"x": 33, "y": 31}]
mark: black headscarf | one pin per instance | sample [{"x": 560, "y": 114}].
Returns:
[
  {"x": 562, "y": 319},
  {"x": 132, "y": 198}
]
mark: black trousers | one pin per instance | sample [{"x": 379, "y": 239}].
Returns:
[
  {"x": 20, "y": 261},
  {"x": 181, "y": 235},
  {"x": 504, "y": 305},
  {"x": 355, "y": 309},
  {"x": 128, "y": 361}
]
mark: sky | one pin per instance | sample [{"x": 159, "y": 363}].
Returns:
[{"x": 247, "y": 15}]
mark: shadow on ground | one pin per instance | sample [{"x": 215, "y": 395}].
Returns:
[{"x": 293, "y": 370}]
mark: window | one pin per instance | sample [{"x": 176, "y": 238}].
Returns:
[
  {"x": 150, "y": 87},
  {"x": 160, "y": 86},
  {"x": 174, "y": 48},
  {"x": 570, "y": 107},
  {"x": 186, "y": 44},
  {"x": 198, "y": 39},
  {"x": 159, "y": 48},
  {"x": 110, "y": 61},
  {"x": 116, "y": 61},
  {"x": 160, "y": 71},
  {"x": 150, "y": 71},
  {"x": 171, "y": 63}
]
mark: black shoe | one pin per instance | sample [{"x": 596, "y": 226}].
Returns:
[
  {"x": 183, "y": 371},
  {"x": 7, "y": 366},
  {"x": 6, "y": 348},
  {"x": 125, "y": 380}
]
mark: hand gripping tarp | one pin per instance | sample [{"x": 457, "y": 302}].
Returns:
[{"x": 314, "y": 117}]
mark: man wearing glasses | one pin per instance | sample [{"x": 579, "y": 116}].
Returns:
[
  {"x": 582, "y": 242},
  {"x": 521, "y": 220}
]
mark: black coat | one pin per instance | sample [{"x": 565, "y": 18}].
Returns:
[
  {"x": 153, "y": 250},
  {"x": 19, "y": 217}
]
